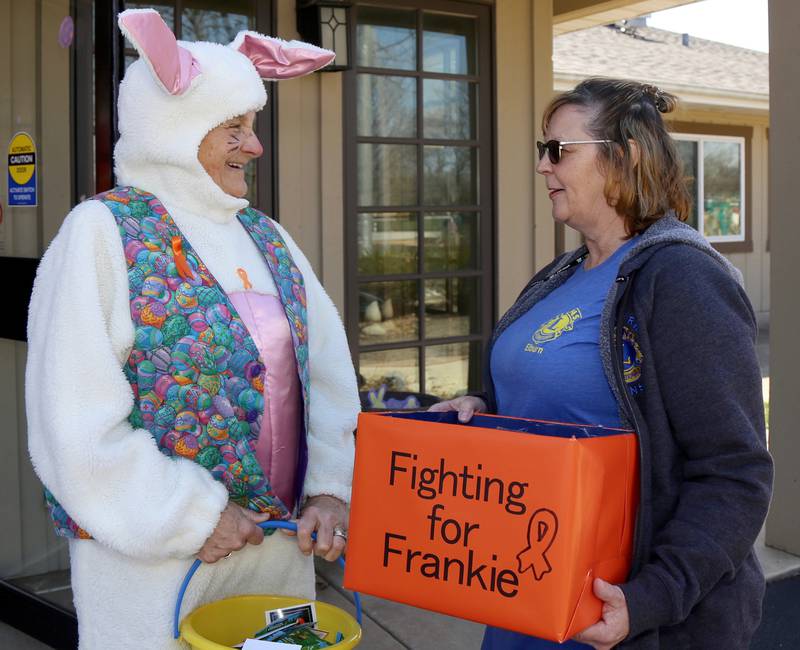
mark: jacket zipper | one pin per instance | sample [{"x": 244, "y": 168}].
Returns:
[{"x": 617, "y": 352}]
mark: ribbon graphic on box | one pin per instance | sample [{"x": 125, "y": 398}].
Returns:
[{"x": 542, "y": 530}]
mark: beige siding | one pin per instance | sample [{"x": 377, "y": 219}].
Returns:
[
  {"x": 525, "y": 230},
  {"x": 753, "y": 265},
  {"x": 34, "y": 97},
  {"x": 310, "y": 166}
]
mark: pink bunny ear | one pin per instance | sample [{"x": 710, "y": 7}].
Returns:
[
  {"x": 173, "y": 66},
  {"x": 274, "y": 58}
]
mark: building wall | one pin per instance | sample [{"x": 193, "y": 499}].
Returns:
[
  {"x": 754, "y": 265},
  {"x": 310, "y": 165},
  {"x": 782, "y": 524},
  {"x": 34, "y": 97},
  {"x": 526, "y": 233}
]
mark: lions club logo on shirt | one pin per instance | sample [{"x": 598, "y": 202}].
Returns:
[{"x": 553, "y": 329}]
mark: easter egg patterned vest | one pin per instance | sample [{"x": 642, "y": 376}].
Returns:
[{"x": 196, "y": 374}]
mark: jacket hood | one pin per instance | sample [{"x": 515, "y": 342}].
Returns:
[
  {"x": 177, "y": 92},
  {"x": 670, "y": 230},
  {"x": 665, "y": 231}
]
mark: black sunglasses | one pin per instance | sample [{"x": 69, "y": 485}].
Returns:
[{"x": 554, "y": 147}]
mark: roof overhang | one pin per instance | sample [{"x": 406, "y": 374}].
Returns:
[
  {"x": 572, "y": 15},
  {"x": 692, "y": 96}
]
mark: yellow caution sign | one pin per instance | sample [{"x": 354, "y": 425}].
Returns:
[{"x": 22, "y": 170}]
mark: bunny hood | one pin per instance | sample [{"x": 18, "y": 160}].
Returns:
[{"x": 177, "y": 92}]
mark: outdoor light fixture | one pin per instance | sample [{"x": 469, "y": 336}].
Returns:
[{"x": 326, "y": 23}]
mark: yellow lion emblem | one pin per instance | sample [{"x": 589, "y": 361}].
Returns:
[{"x": 556, "y": 326}]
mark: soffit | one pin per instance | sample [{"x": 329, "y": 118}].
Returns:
[{"x": 572, "y": 15}]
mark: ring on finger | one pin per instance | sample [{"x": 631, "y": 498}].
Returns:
[{"x": 338, "y": 531}]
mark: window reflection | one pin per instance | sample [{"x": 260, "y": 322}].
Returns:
[
  {"x": 722, "y": 196},
  {"x": 388, "y": 312},
  {"x": 449, "y": 109},
  {"x": 451, "y": 241},
  {"x": 451, "y": 176},
  {"x": 387, "y": 106},
  {"x": 206, "y": 20},
  {"x": 448, "y": 368},
  {"x": 687, "y": 150},
  {"x": 392, "y": 370},
  {"x": 387, "y": 174},
  {"x": 449, "y": 44},
  {"x": 386, "y": 38},
  {"x": 387, "y": 243},
  {"x": 451, "y": 307}
]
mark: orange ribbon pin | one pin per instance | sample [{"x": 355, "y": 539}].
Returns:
[
  {"x": 181, "y": 263},
  {"x": 243, "y": 277}
]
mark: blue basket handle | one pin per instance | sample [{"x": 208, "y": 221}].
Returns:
[{"x": 286, "y": 525}]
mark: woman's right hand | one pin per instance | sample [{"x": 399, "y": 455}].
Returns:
[
  {"x": 236, "y": 528},
  {"x": 466, "y": 406}
]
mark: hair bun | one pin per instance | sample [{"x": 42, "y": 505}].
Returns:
[{"x": 664, "y": 102}]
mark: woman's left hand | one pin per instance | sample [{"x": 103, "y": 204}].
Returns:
[
  {"x": 614, "y": 626},
  {"x": 326, "y": 515}
]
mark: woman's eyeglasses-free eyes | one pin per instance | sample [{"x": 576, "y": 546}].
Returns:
[{"x": 554, "y": 147}]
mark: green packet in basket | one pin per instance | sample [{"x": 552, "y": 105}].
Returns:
[
  {"x": 289, "y": 630},
  {"x": 302, "y": 635}
]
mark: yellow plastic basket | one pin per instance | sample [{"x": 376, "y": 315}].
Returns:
[{"x": 217, "y": 626}]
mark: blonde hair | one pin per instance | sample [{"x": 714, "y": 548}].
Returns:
[{"x": 641, "y": 190}]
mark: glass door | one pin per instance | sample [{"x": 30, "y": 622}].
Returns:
[{"x": 420, "y": 199}]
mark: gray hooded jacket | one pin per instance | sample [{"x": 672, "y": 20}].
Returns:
[{"x": 691, "y": 388}]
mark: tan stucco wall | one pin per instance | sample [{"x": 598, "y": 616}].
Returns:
[
  {"x": 525, "y": 229},
  {"x": 310, "y": 165},
  {"x": 783, "y": 524}
]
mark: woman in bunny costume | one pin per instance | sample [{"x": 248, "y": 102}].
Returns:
[{"x": 187, "y": 375}]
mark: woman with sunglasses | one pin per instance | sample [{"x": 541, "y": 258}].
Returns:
[{"x": 645, "y": 326}]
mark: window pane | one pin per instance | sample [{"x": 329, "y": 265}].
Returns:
[
  {"x": 449, "y": 109},
  {"x": 212, "y": 20},
  {"x": 722, "y": 188},
  {"x": 387, "y": 106},
  {"x": 387, "y": 174},
  {"x": 451, "y": 176},
  {"x": 449, "y": 44},
  {"x": 449, "y": 368},
  {"x": 451, "y": 241},
  {"x": 387, "y": 243},
  {"x": 387, "y": 373},
  {"x": 451, "y": 307},
  {"x": 687, "y": 152},
  {"x": 388, "y": 311},
  {"x": 386, "y": 38}
]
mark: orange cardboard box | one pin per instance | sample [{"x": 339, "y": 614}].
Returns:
[{"x": 503, "y": 521}]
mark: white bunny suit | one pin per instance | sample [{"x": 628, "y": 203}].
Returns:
[{"x": 149, "y": 514}]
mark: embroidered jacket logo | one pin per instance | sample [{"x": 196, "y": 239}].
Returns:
[{"x": 631, "y": 356}]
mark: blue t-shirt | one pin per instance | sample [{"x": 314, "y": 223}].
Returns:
[{"x": 547, "y": 366}]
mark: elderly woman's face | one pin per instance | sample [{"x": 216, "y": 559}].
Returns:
[
  {"x": 226, "y": 150},
  {"x": 575, "y": 184}
]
